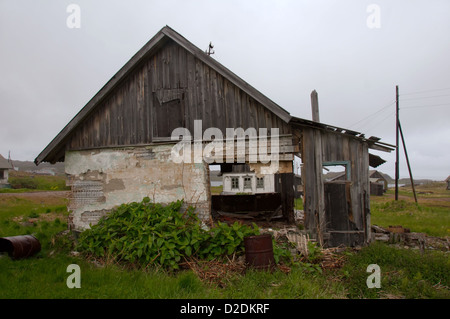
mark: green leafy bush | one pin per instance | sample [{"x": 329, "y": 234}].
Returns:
[
  {"x": 224, "y": 239},
  {"x": 23, "y": 182},
  {"x": 150, "y": 233},
  {"x": 281, "y": 252},
  {"x": 43, "y": 182}
]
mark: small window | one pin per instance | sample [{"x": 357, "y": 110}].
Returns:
[
  {"x": 260, "y": 182},
  {"x": 2, "y": 174},
  {"x": 247, "y": 183},
  {"x": 235, "y": 183}
]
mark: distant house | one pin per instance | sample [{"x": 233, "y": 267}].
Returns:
[
  {"x": 335, "y": 176},
  {"x": 248, "y": 182},
  {"x": 241, "y": 179},
  {"x": 5, "y": 166},
  {"x": 378, "y": 183},
  {"x": 379, "y": 177},
  {"x": 448, "y": 182}
]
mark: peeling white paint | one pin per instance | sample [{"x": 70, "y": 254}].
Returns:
[{"x": 128, "y": 175}]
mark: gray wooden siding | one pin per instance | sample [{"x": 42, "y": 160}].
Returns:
[
  {"x": 335, "y": 148},
  {"x": 171, "y": 88}
]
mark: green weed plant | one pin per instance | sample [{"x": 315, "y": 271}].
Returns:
[{"x": 147, "y": 233}]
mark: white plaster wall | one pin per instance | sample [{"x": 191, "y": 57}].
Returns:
[{"x": 110, "y": 177}]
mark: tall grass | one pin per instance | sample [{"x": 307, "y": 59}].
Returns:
[
  {"x": 14, "y": 206},
  {"x": 46, "y": 277},
  {"x": 434, "y": 221},
  {"x": 298, "y": 284},
  {"x": 28, "y": 181},
  {"x": 404, "y": 273}
]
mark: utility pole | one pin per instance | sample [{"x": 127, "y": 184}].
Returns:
[
  {"x": 10, "y": 160},
  {"x": 396, "y": 142},
  {"x": 398, "y": 132}
]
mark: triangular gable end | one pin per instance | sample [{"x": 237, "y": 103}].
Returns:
[
  {"x": 4, "y": 163},
  {"x": 252, "y": 99}
]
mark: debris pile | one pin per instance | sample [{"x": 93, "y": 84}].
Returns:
[
  {"x": 292, "y": 235},
  {"x": 332, "y": 259},
  {"x": 299, "y": 216},
  {"x": 406, "y": 238},
  {"x": 326, "y": 258},
  {"x": 216, "y": 271},
  {"x": 252, "y": 215}
]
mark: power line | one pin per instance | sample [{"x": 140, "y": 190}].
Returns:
[
  {"x": 381, "y": 121},
  {"x": 419, "y": 92},
  {"x": 370, "y": 115},
  {"x": 423, "y": 106},
  {"x": 424, "y": 97}
]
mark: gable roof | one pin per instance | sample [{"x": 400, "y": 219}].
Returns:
[
  {"x": 4, "y": 164},
  {"x": 56, "y": 145},
  {"x": 379, "y": 175},
  {"x": 54, "y": 151}
]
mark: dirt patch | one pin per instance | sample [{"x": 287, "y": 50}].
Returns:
[
  {"x": 48, "y": 217},
  {"x": 44, "y": 197}
]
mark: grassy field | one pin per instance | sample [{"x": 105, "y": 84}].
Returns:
[
  {"x": 405, "y": 273},
  {"x": 44, "y": 275},
  {"x": 25, "y": 182},
  {"x": 431, "y": 215}
]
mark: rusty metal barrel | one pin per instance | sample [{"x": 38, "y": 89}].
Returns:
[
  {"x": 19, "y": 247},
  {"x": 259, "y": 252}
]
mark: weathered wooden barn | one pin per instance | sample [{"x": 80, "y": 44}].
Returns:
[
  {"x": 118, "y": 147},
  {"x": 378, "y": 183}
]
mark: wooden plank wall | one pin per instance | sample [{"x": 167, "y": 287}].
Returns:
[
  {"x": 284, "y": 185},
  {"x": 314, "y": 206},
  {"x": 335, "y": 147},
  {"x": 171, "y": 87}
]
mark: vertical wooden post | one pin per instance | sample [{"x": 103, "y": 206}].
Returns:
[
  {"x": 286, "y": 182},
  {"x": 396, "y": 142},
  {"x": 315, "y": 106},
  {"x": 319, "y": 186},
  {"x": 319, "y": 207},
  {"x": 312, "y": 176}
]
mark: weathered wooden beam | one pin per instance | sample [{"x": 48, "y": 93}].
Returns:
[{"x": 315, "y": 106}]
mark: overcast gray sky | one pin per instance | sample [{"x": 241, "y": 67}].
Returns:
[{"x": 351, "y": 52}]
